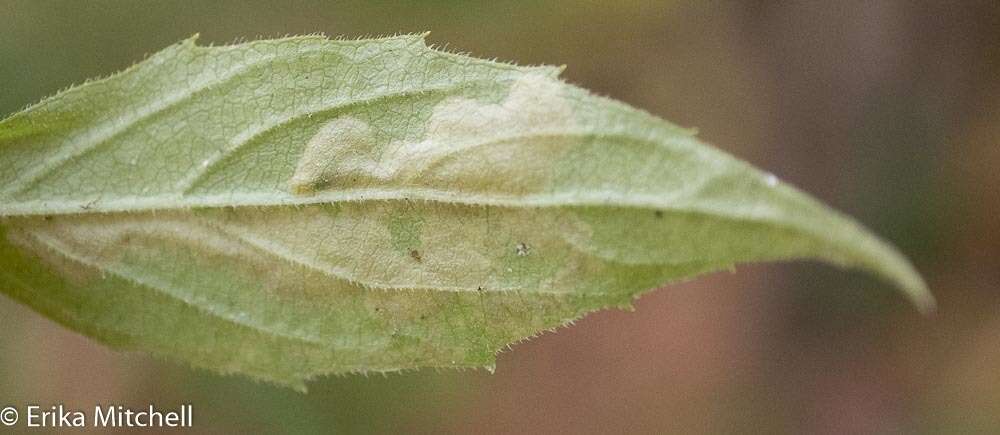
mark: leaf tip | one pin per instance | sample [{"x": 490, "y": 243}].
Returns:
[
  {"x": 896, "y": 268},
  {"x": 918, "y": 292},
  {"x": 900, "y": 271}
]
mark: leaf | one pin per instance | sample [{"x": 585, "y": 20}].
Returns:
[{"x": 295, "y": 207}]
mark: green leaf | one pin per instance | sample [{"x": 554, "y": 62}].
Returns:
[{"x": 289, "y": 208}]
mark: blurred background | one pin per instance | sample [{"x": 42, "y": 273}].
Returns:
[{"x": 888, "y": 110}]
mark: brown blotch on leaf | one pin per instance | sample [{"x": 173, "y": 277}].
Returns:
[{"x": 416, "y": 255}]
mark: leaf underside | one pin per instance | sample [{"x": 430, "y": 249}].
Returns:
[{"x": 296, "y": 207}]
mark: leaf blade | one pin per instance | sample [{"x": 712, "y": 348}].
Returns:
[{"x": 376, "y": 169}]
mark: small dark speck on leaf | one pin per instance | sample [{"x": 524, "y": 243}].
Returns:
[
  {"x": 658, "y": 213},
  {"x": 416, "y": 255},
  {"x": 523, "y": 249},
  {"x": 90, "y": 204}
]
